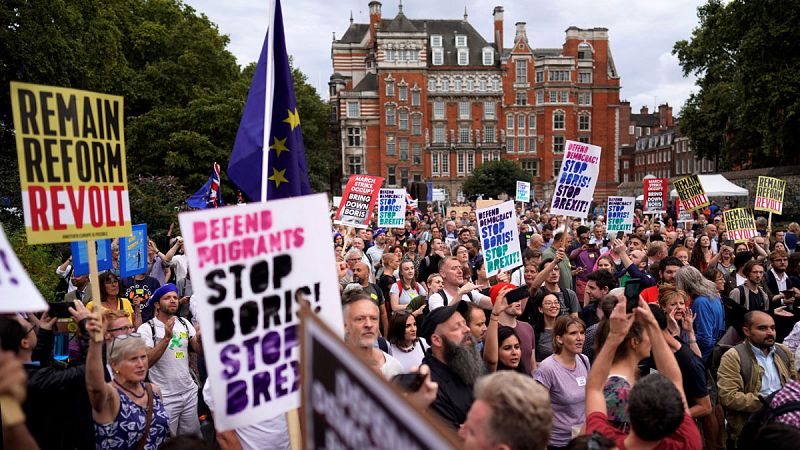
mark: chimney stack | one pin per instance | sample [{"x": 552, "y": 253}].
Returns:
[
  {"x": 644, "y": 110},
  {"x": 374, "y": 20},
  {"x": 498, "y": 29},
  {"x": 520, "y": 34},
  {"x": 665, "y": 116}
]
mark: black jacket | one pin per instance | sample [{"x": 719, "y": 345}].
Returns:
[{"x": 454, "y": 397}]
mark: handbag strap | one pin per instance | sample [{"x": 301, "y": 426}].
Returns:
[{"x": 140, "y": 445}]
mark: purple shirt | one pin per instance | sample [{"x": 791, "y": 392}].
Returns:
[
  {"x": 586, "y": 259},
  {"x": 567, "y": 395}
]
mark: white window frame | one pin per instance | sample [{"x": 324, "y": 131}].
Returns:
[
  {"x": 464, "y": 110},
  {"x": 521, "y": 71},
  {"x": 437, "y": 56},
  {"x": 510, "y": 123},
  {"x": 390, "y": 88},
  {"x": 353, "y": 110},
  {"x": 559, "y": 120},
  {"x": 463, "y": 56},
  {"x": 391, "y": 117},
  {"x": 438, "y": 109},
  {"x": 391, "y": 145},
  {"x": 402, "y": 93},
  {"x": 588, "y": 122},
  {"x": 436, "y": 40},
  {"x": 488, "y": 56},
  {"x": 488, "y": 110}
]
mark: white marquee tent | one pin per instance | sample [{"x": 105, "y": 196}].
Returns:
[{"x": 715, "y": 186}]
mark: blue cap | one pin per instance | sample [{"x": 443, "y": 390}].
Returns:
[
  {"x": 379, "y": 232},
  {"x": 169, "y": 287}
]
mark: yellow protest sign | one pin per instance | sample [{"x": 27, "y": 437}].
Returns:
[
  {"x": 740, "y": 224},
  {"x": 71, "y": 153},
  {"x": 691, "y": 192},
  {"x": 769, "y": 194}
]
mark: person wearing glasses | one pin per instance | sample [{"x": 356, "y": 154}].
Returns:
[
  {"x": 110, "y": 298},
  {"x": 126, "y": 411}
]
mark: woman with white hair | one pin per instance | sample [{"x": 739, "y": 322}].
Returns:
[
  {"x": 128, "y": 413},
  {"x": 709, "y": 322}
]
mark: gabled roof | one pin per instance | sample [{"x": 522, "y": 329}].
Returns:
[
  {"x": 368, "y": 83},
  {"x": 448, "y": 29},
  {"x": 355, "y": 33},
  {"x": 400, "y": 24}
]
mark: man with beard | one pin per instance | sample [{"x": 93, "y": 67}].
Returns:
[
  {"x": 667, "y": 268},
  {"x": 752, "y": 370},
  {"x": 361, "y": 277},
  {"x": 454, "y": 361},
  {"x": 361, "y": 335},
  {"x": 169, "y": 338}
]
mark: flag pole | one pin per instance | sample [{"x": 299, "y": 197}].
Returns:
[{"x": 268, "y": 98}]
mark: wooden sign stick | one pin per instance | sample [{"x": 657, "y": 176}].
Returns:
[{"x": 94, "y": 283}]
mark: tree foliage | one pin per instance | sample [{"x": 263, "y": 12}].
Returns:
[
  {"x": 746, "y": 59},
  {"x": 495, "y": 177}
]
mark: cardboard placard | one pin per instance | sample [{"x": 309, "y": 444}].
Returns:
[
  {"x": 620, "y": 214},
  {"x": 334, "y": 377},
  {"x": 523, "y": 191},
  {"x": 481, "y": 204},
  {"x": 683, "y": 215},
  {"x": 71, "y": 152},
  {"x": 740, "y": 224},
  {"x": 497, "y": 229},
  {"x": 17, "y": 291},
  {"x": 253, "y": 267},
  {"x": 691, "y": 192},
  {"x": 769, "y": 195},
  {"x": 460, "y": 210},
  {"x": 391, "y": 208},
  {"x": 576, "y": 182},
  {"x": 655, "y": 195},
  {"x": 133, "y": 252},
  {"x": 358, "y": 200},
  {"x": 80, "y": 256}
]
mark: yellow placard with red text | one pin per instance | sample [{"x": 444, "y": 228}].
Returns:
[
  {"x": 71, "y": 153},
  {"x": 769, "y": 195}
]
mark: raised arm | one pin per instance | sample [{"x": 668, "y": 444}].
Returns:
[
  {"x": 491, "y": 346},
  {"x": 665, "y": 360},
  {"x": 543, "y": 274},
  {"x": 619, "y": 324},
  {"x": 101, "y": 395}
]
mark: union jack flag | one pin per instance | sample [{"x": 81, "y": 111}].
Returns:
[
  {"x": 209, "y": 195},
  {"x": 213, "y": 193}
]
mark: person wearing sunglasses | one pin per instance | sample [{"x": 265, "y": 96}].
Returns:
[
  {"x": 126, "y": 411},
  {"x": 110, "y": 298}
]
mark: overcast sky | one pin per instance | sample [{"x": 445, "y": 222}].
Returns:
[{"x": 642, "y": 33}]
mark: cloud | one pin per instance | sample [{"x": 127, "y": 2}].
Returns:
[{"x": 642, "y": 34}]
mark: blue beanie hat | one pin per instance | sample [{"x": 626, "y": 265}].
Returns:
[{"x": 169, "y": 287}]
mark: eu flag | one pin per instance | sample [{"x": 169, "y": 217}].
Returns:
[{"x": 287, "y": 173}]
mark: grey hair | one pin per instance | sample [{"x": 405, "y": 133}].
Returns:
[
  {"x": 690, "y": 280},
  {"x": 617, "y": 292},
  {"x": 122, "y": 348},
  {"x": 354, "y": 252}
]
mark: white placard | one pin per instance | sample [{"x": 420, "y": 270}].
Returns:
[
  {"x": 391, "y": 208},
  {"x": 497, "y": 228},
  {"x": 576, "y": 181},
  {"x": 17, "y": 291},
  {"x": 523, "y": 191},
  {"x": 620, "y": 214}
]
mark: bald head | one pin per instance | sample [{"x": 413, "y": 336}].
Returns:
[{"x": 361, "y": 274}]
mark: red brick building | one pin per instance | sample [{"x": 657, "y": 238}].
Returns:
[{"x": 432, "y": 99}]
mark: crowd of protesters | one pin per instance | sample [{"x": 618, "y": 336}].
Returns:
[{"x": 556, "y": 353}]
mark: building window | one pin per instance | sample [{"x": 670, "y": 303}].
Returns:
[
  {"x": 352, "y": 109},
  {"x": 482, "y": 85},
  {"x": 563, "y": 96},
  {"x": 354, "y": 137},
  {"x": 530, "y": 166},
  {"x": 463, "y": 110},
  {"x": 458, "y": 86},
  {"x": 584, "y": 52},
  {"x": 390, "y": 117},
  {"x": 584, "y": 77},
  {"x": 585, "y": 98},
  {"x": 532, "y": 124},
  {"x": 585, "y": 139},
  {"x": 463, "y": 135},
  {"x": 434, "y": 163},
  {"x": 532, "y": 144},
  {"x": 488, "y": 56},
  {"x": 470, "y": 162},
  {"x": 416, "y": 151},
  {"x": 402, "y": 93},
  {"x": 521, "y": 124},
  {"x": 584, "y": 122},
  {"x": 403, "y": 149},
  {"x": 540, "y": 76},
  {"x": 431, "y": 85},
  {"x": 558, "y": 144},
  {"x": 470, "y": 85},
  {"x": 417, "y": 177},
  {"x": 488, "y": 134},
  {"x": 392, "y": 176},
  {"x": 416, "y": 125},
  {"x": 510, "y": 123},
  {"x": 539, "y": 97},
  {"x": 553, "y": 96},
  {"x": 461, "y": 40},
  {"x": 522, "y": 70},
  {"x": 522, "y": 98},
  {"x": 488, "y": 110},
  {"x": 463, "y": 56},
  {"x": 415, "y": 98},
  {"x": 438, "y": 109},
  {"x": 558, "y": 120},
  {"x": 510, "y": 145},
  {"x": 495, "y": 85},
  {"x": 438, "y": 56},
  {"x": 445, "y": 159},
  {"x": 445, "y": 85},
  {"x": 391, "y": 145},
  {"x": 556, "y": 167},
  {"x": 460, "y": 163},
  {"x": 436, "y": 40},
  {"x": 354, "y": 165},
  {"x": 403, "y": 176},
  {"x": 438, "y": 135},
  {"x": 521, "y": 144},
  {"x": 558, "y": 75},
  {"x": 390, "y": 89},
  {"x": 403, "y": 119}
]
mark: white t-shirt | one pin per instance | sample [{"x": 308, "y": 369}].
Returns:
[
  {"x": 437, "y": 301},
  {"x": 391, "y": 367},
  {"x": 171, "y": 372},
  {"x": 181, "y": 266},
  {"x": 271, "y": 433},
  {"x": 408, "y": 294},
  {"x": 411, "y": 358}
]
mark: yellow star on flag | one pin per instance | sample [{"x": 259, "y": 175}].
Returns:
[
  {"x": 278, "y": 176},
  {"x": 293, "y": 119},
  {"x": 279, "y": 145}
]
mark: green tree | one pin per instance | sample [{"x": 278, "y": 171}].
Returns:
[
  {"x": 745, "y": 57},
  {"x": 495, "y": 177},
  {"x": 318, "y": 141}
]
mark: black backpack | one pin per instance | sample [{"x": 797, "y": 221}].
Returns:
[{"x": 758, "y": 420}]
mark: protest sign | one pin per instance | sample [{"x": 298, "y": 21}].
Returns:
[
  {"x": 348, "y": 406},
  {"x": 497, "y": 229},
  {"x": 80, "y": 256},
  {"x": 769, "y": 195},
  {"x": 337, "y": 200},
  {"x": 655, "y": 195},
  {"x": 391, "y": 208},
  {"x": 691, "y": 192},
  {"x": 460, "y": 210},
  {"x": 575, "y": 187},
  {"x": 358, "y": 200},
  {"x": 523, "y": 191},
  {"x": 71, "y": 152},
  {"x": 481, "y": 204},
  {"x": 620, "y": 214},
  {"x": 133, "y": 252},
  {"x": 740, "y": 224},
  {"x": 252, "y": 267},
  {"x": 17, "y": 291}
]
